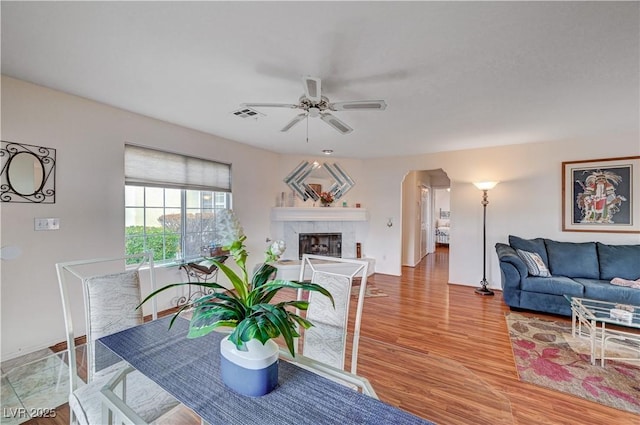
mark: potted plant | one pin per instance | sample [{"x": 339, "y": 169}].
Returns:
[{"x": 248, "y": 354}]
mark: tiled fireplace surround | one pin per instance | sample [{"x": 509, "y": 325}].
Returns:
[
  {"x": 288, "y": 229},
  {"x": 293, "y": 228}
]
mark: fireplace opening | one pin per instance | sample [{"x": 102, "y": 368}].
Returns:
[{"x": 327, "y": 244}]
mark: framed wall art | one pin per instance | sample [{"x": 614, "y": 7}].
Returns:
[{"x": 601, "y": 195}]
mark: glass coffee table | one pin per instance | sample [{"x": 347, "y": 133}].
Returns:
[{"x": 589, "y": 318}]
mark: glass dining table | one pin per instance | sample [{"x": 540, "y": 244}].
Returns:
[{"x": 188, "y": 369}]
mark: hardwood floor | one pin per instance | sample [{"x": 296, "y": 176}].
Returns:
[{"x": 425, "y": 316}]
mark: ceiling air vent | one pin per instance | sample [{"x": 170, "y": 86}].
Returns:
[{"x": 245, "y": 112}]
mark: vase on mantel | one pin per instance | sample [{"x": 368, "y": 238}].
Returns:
[{"x": 253, "y": 372}]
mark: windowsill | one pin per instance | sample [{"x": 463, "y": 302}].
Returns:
[{"x": 169, "y": 264}]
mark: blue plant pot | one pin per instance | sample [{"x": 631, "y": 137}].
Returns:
[{"x": 253, "y": 372}]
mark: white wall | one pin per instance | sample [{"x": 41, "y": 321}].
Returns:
[
  {"x": 442, "y": 201},
  {"x": 411, "y": 215},
  {"x": 89, "y": 138},
  {"x": 526, "y": 202},
  {"x": 408, "y": 223}
]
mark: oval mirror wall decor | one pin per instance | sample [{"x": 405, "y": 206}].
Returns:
[{"x": 28, "y": 173}]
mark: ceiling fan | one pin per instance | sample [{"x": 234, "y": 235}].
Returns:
[{"x": 315, "y": 105}]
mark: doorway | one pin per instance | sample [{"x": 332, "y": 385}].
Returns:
[{"x": 423, "y": 203}]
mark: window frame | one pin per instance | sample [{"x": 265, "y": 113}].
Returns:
[{"x": 210, "y": 176}]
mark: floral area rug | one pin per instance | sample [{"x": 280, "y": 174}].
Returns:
[
  {"x": 370, "y": 291},
  {"x": 544, "y": 356}
]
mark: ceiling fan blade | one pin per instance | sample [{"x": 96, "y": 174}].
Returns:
[
  {"x": 353, "y": 105},
  {"x": 269, "y": 105},
  {"x": 336, "y": 123},
  {"x": 312, "y": 88},
  {"x": 293, "y": 122}
]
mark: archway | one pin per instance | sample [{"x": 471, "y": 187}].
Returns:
[{"x": 424, "y": 209}]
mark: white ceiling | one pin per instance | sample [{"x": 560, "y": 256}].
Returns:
[{"x": 455, "y": 75}]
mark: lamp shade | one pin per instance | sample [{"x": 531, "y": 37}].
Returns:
[{"x": 485, "y": 185}]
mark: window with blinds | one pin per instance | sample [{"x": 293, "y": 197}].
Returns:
[{"x": 171, "y": 202}]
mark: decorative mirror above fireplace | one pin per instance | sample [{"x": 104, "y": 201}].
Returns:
[
  {"x": 308, "y": 179},
  {"x": 28, "y": 173}
]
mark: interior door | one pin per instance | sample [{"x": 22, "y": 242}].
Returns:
[{"x": 426, "y": 235}]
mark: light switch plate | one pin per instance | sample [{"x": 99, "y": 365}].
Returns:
[{"x": 47, "y": 224}]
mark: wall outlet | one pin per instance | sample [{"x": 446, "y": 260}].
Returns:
[{"x": 46, "y": 224}]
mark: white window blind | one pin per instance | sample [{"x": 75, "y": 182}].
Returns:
[{"x": 150, "y": 167}]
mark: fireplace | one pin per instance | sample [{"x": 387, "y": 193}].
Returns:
[{"x": 327, "y": 244}]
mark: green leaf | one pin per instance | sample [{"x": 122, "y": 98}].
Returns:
[
  {"x": 267, "y": 327},
  {"x": 262, "y": 275},
  {"x": 196, "y": 332},
  {"x": 225, "y": 296},
  {"x": 300, "y": 320},
  {"x": 250, "y": 330},
  {"x": 234, "y": 337},
  {"x": 212, "y": 285},
  {"x": 175, "y": 316},
  {"x": 265, "y": 296},
  {"x": 246, "y": 330},
  {"x": 207, "y": 317},
  {"x": 253, "y": 298},
  {"x": 164, "y": 288},
  {"x": 279, "y": 317},
  {"x": 279, "y": 284},
  {"x": 299, "y": 304},
  {"x": 239, "y": 285},
  {"x": 228, "y": 300}
]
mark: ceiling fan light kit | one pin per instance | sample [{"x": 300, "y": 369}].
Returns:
[{"x": 315, "y": 105}]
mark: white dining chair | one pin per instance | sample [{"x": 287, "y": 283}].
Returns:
[
  {"x": 326, "y": 341},
  {"x": 109, "y": 303}
]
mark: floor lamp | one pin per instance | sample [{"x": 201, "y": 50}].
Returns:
[{"x": 484, "y": 187}]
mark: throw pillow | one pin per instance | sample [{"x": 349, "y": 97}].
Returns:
[
  {"x": 530, "y": 245},
  {"x": 534, "y": 263}
]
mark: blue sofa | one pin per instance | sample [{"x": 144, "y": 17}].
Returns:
[{"x": 576, "y": 269}]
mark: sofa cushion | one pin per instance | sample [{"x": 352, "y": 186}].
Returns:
[
  {"x": 531, "y": 245},
  {"x": 535, "y": 265},
  {"x": 603, "y": 290},
  {"x": 573, "y": 259},
  {"x": 619, "y": 261},
  {"x": 555, "y": 285}
]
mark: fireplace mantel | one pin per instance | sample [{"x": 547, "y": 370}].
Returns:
[{"x": 318, "y": 214}]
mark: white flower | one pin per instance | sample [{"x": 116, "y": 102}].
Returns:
[
  {"x": 228, "y": 227},
  {"x": 277, "y": 248}
]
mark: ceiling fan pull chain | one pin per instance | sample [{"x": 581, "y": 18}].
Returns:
[{"x": 307, "y": 128}]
